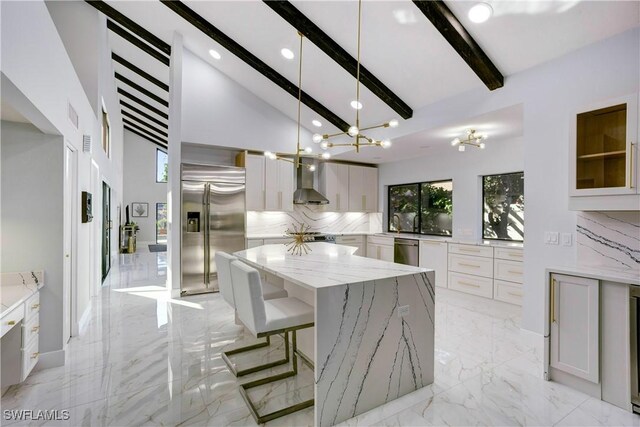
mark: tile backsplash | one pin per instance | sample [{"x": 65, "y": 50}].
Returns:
[
  {"x": 272, "y": 223},
  {"x": 610, "y": 239}
]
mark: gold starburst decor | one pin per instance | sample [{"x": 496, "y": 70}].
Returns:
[{"x": 300, "y": 236}]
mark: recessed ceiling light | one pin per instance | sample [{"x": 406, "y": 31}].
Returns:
[
  {"x": 287, "y": 53},
  {"x": 214, "y": 54},
  {"x": 357, "y": 105},
  {"x": 480, "y": 13},
  {"x": 316, "y": 123}
]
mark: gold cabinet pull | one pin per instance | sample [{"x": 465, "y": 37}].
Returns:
[
  {"x": 515, "y": 254},
  {"x": 469, "y": 250},
  {"x": 34, "y": 355},
  {"x": 337, "y": 201},
  {"x": 35, "y": 328},
  {"x": 34, "y": 306},
  {"x": 631, "y": 166},
  {"x": 364, "y": 202},
  {"x": 468, "y": 284},
  {"x": 469, "y": 265},
  {"x": 514, "y": 272},
  {"x": 515, "y": 294},
  {"x": 11, "y": 322},
  {"x": 553, "y": 300}
]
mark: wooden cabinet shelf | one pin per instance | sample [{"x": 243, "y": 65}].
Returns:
[{"x": 598, "y": 156}]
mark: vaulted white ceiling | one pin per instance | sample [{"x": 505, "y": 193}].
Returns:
[{"x": 399, "y": 46}]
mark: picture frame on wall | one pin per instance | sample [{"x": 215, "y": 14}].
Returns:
[{"x": 139, "y": 210}]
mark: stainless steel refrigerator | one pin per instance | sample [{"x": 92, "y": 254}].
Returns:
[{"x": 213, "y": 219}]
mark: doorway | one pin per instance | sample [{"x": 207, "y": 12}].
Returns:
[
  {"x": 69, "y": 231},
  {"x": 106, "y": 229}
]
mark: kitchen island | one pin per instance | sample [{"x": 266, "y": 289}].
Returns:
[{"x": 374, "y": 324}]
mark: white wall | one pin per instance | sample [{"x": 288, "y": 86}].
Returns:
[
  {"x": 550, "y": 94},
  {"x": 31, "y": 214},
  {"x": 218, "y": 111},
  {"x": 140, "y": 183},
  {"x": 465, "y": 169},
  {"x": 44, "y": 75}
]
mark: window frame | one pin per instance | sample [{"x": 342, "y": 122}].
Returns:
[
  {"x": 419, "y": 213},
  {"x": 482, "y": 207},
  {"x": 105, "y": 135},
  {"x": 157, "y": 211},
  {"x": 159, "y": 150}
]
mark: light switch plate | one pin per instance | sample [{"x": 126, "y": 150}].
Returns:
[
  {"x": 551, "y": 237},
  {"x": 567, "y": 239},
  {"x": 403, "y": 310}
]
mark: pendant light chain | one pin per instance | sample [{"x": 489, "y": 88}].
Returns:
[
  {"x": 299, "y": 99},
  {"x": 358, "y": 70}
]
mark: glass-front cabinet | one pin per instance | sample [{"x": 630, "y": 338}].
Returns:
[{"x": 603, "y": 155}]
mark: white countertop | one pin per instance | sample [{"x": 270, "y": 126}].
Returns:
[
  {"x": 16, "y": 288},
  {"x": 326, "y": 265},
  {"x": 280, "y": 235},
  {"x": 600, "y": 273}
]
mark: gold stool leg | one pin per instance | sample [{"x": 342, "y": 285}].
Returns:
[
  {"x": 261, "y": 419},
  {"x": 247, "y": 371}
]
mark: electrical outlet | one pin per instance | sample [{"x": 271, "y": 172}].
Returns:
[
  {"x": 567, "y": 239},
  {"x": 403, "y": 310}
]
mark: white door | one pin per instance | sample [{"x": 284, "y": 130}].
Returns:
[
  {"x": 95, "y": 230},
  {"x": 286, "y": 186},
  {"x": 272, "y": 195},
  {"x": 254, "y": 166},
  {"x": 575, "y": 326},
  {"x": 434, "y": 255},
  {"x": 69, "y": 224},
  {"x": 370, "y": 177},
  {"x": 356, "y": 189}
]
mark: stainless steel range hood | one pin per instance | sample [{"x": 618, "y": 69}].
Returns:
[{"x": 305, "y": 193}]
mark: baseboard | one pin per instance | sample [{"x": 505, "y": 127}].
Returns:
[
  {"x": 84, "y": 319},
  {"x": 50, "y": 359}
]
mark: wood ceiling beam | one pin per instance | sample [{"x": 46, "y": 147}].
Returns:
[
  {"x": 143, "y": 130},
  {"x": 131, "y": 26},
  {"x": 299, "y": 21},
  {"x": 137, "y": 42},
  {"x": 145, "y": 136},
  {"x": 120, "y": 60},
  {"x": 459, "y": 38},
  {"x": 138, "y": 120},
  {"x": 234, "y": 47},
  {"x": 144, "y": 104},
  {"x": 142, "y": 90},
  {"x": 125, "y": 104}
]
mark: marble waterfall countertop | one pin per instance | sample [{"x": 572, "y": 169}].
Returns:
[
  {"x": 600, "y": 273},
  {"x": 326, "y": 265},
  {"x": 16, "y": 288}
]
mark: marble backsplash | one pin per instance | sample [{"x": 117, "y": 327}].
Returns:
[
  {"x": 609, "y": 239},
  {"x": 276, "y": 223}
]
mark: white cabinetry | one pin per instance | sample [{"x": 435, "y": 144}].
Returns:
[
  {"x": 334, "y": 184},
  {"x": 363, "y": 189},
  {"x": 353, "y": 240},
  {"x": 380, "y": 247},
  {"x": 269, "y": 183},
  {"x": 471, "y": 269},
  {"x": 508, "y": 273},
  {"x": 574, "y": 326},
  {"x": 433, "y": 255},
  {"x": 603, "y": 155}
]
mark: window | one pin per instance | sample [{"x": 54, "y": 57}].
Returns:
[
  {"x": 424, "y": 208},
  {"x": 106, "y": 133},
  {"x": 162, "y": 166},
  {"x": 161, "y": 223},
  {"x": 503, "y": 206}
]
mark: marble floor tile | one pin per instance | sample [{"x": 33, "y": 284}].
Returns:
[{"x": 146, "y": 359}]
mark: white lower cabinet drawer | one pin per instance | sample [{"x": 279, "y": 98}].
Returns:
[
  {"x": 12, "y": 319},
  {"x": 475, "y": 250},
  {"x": 471, "y": 265},
  {"x": 508, "y": 270},
  {"x": 32, "y": 306},
  {"x": 380, "y": 240},
  {"x": 476, "y": 285},
  {"x": 30, "y": 356},
  {"x": 513, "y": 254},
  {"x": 31, "y": 329},
  {"x": 508, "y": 292}
]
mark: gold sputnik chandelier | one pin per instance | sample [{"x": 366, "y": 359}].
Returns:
[
  {"x": 307, "y": 151},
  {"x": 355, "y": 131},
  {"x": 472, "y": 139}
]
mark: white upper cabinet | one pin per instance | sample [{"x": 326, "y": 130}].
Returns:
[
  {"x": 278, "y": 186},
  {"x": 603, "y": 156},
  {"x": 363, "y": 189},
  {"x": 269, "y": 183},
  {"x": 334, "y": 185}
]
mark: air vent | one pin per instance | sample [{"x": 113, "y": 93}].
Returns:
[
  {"x": 73, "y": 116},
  {"x": 86, "y": 143}
]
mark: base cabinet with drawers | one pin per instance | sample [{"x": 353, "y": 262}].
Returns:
[
  {"x": 508, "y": 273},
  {"x": 20, "y": 341},
  {"x": 433, "y": 255},
  {"x": 354, "y": 240},
  {"x": 380, "y": 247}
]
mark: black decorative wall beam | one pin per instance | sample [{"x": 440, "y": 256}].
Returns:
[
  {"x": 144, "y": 104},
  {"x": 131, "y": 26},
  {"x": 145, "y": 136},
  {"x": 143, "y": 130},
  {"x": 299, "y": 21},
  {"x": 234, "y": 47},
  {"x": 142, "y": 90},
  {"x": 138, "y": 120},
  {"x": 120, "y": 60},
  {"x": 459, "y": 38},
  {"x": 137, "y": 42},
  {"x": 125, "y": 104}
]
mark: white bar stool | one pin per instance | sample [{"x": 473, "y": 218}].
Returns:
[
  {"x": 265, "y": 318},
  {"x": 225, "y": 283}
]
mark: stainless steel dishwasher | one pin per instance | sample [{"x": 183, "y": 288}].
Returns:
[{"x": 406, "y": 251}]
